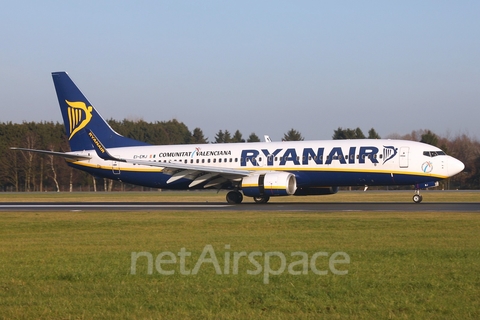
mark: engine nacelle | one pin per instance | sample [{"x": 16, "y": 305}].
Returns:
[
  {"x": 316, "y": 191},
  {"x": 269, "y": 184}
]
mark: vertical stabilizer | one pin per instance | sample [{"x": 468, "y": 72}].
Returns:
[{"x": 78, "y": 115}]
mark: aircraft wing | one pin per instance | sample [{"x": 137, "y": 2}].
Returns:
[
  {"x": 70, "y": 156},
  {"x": 186, "y": 166},
  {"x": 198, "y": 174}
]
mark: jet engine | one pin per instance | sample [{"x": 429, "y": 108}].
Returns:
[{"x": 269, "y": 184}]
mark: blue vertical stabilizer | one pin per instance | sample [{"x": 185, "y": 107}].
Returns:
[{"x": 78, "y": 115}]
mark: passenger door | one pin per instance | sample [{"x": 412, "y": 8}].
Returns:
[{"x": 404, "y": 157}]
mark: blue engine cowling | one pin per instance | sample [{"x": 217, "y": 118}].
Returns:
[{"x": 269, "y": 184}]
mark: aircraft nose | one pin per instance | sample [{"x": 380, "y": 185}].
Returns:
[{"x": 455, "y": 166}]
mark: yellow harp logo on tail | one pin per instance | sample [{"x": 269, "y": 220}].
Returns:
[{"x": 79, "y": 115}]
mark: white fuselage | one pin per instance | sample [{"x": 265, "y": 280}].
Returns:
[{"x": 315, "y": 163}]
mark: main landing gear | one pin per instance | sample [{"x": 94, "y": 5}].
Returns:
[
  {"x": 263, "y": 199},
  {"x": 417, "y": 197},
  {"x": 234, "y": 197}
]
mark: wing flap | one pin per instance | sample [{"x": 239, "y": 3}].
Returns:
[
  {"x": 215, "y": 182},
  {"x": 203, "y": 178},
  {"x": 185, "y": 174}
]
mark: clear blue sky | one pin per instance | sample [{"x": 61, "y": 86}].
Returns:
[{"x": 256, "y": 66}]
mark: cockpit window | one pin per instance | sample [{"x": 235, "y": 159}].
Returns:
[{"x": 433, "y": 153}]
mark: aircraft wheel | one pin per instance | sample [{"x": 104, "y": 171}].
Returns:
[
  {"x": 234, "y": 197},
  {"x": 417, "y": 198},
  {"x": 263, "y": 199}
]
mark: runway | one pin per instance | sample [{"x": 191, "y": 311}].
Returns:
[{"x": 218, "y": 206}]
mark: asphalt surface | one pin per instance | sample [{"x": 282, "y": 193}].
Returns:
[{"x": 219, "y": 206}]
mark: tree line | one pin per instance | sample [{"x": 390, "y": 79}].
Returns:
[{"x": 27, "y": 171}]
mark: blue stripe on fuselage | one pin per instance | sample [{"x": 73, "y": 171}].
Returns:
[{"x": 305, "y": 178}]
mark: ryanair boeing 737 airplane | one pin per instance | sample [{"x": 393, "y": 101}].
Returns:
[{"x": 259, "y": 170}]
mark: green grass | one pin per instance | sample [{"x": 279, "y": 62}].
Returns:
[
  {"x": 213, "y": 196},
  {"x": 57, "y": 265}
]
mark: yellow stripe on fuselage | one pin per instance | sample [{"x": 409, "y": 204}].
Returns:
[{"x": 287, "y": 169}]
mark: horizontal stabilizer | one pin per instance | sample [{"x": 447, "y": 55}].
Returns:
[{"x": 70, "y": 156}]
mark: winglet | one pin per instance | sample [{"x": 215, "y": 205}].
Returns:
[{"x": 100, "y": 148}]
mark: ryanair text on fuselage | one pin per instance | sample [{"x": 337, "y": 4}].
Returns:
[{"x": 292, "y": 156}]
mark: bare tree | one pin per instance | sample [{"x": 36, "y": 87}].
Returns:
[{"x": 54, "y": 173}]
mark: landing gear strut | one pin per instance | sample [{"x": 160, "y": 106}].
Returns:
[
  {"x": 234, "y": 197},
  {"x": 417, "y": 197}
]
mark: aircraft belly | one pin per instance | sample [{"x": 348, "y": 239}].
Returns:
[
  {"x": 340, "y": 178},
  {"x": 304, "y": 179},
  {"x": 151, "y": 179}
]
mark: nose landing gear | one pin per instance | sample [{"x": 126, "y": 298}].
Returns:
[{"x": 417, "y": 197}]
